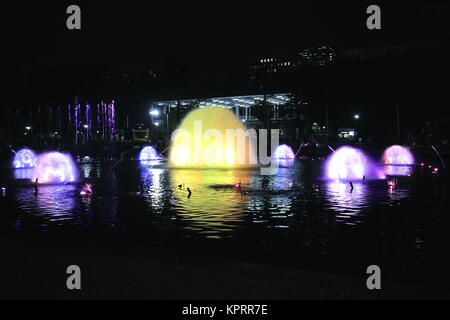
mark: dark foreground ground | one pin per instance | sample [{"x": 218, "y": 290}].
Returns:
[{"x": 37, "y": 270}]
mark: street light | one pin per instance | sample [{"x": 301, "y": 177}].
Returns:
[
  {"x": 154, "y": 112},
  {"x": 356, "y": 116},
  {"x": 28, "y": 128}
]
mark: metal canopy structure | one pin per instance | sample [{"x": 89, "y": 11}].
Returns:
[{"x": 240, "y": 104}]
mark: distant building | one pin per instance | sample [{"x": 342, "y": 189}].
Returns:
[
  {"x": 247, "y": 108},
  {"x": 277, "y": 64},
  {"x": 241, "y": 106},
  {"x": 318, "y": 57},
  {"x": 321, "y": 56},
  {"x": 347, "y": 134},
  {"x": 140, "y": 132}
]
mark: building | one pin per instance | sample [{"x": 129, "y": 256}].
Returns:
[
  {"x": 347, "y": 134},
  {"x": 276, "y": 64},
  {"x": 318, "y": 57},
  {"x": 240, "y": 105},
  {"x": 165, "y": 116}
]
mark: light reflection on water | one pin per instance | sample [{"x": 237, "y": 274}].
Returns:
[
  {"x": 345, "y": 201},
  {"x": 215, "y": 209},
  {"x": 398, "y": 170},
  {"x": 24, "y": 174},
  {"x": 152, "y": 186},
  {"x": 52, "y": 204}
]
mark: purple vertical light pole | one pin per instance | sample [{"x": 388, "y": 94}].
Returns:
[
  {"x": 104, "y": 120},
  {"x": 98, "y": 118},
  {"x": 88, "y": 121},
  {"x": 112, "y": 121},
  {"x": 77, "y": 112}
]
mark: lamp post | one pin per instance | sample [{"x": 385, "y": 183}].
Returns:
[
  {"x": 153, "y": 113},
  {"x": 86, "y": 137},
  {"x": 356, "y": 116}
]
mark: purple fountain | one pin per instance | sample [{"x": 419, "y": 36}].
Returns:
[
  {"x": 55, "y": 168},
  {"x": 350, "y": 164},
  {"x": 284, "y": 152},
  {"x": 148, "y": 153},
  {"x": 24, "y": 158}
]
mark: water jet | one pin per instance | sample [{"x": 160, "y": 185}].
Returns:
[
  {"x": 348, "y": 163},
  {"x": 211, "y": 137},
  {"x": 283, "y": 151},
  {"x": 24, "y": 158},
  {"x": 397, "y": 155},
  {"x": 55, "y": 167}
]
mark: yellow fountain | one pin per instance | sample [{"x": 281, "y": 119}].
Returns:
[{"x": 211, "y": 137}]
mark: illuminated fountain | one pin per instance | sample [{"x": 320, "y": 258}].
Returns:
[
  {"x": 25, "y": 158},
  {"x": 55, "y": 167},
  {"x": 284, "y": 152},
  {"x": 284, "y": 156},
  {"x": 398, "y": 161},
  {"x": 148, "y": 153},
  {"x": 398, "y": 155},
  {"x": 149, "y": 156},
  {"x": 349, "y": 163},
  {"x": 201, "y": 141}
]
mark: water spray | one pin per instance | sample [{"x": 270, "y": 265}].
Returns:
[{"x": 440, "y": 158}]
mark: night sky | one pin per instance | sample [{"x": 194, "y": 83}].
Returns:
[{"x": 126, "y": 33}]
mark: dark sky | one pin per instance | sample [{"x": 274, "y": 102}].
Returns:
[{"x": 130, "y": 32}]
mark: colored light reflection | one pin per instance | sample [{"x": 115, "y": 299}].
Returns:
[
  {"x": 398, "y": 170},
  {"x": 24, "y": 158},
  {"x": 346, "y": 201},
  {"x": 285, "y": 163},
  {"x": 201, "y": 140},
  {"x": 55, "y": 167},
  {"x": 24, "y": 174},
  {"x": 54, "y": 204},
  {"x": 349, "y": 163},
  {"x": 398, "y": 155},
  {"x": 216, "y": 206},
  {"x": 153, "y": 187}
]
